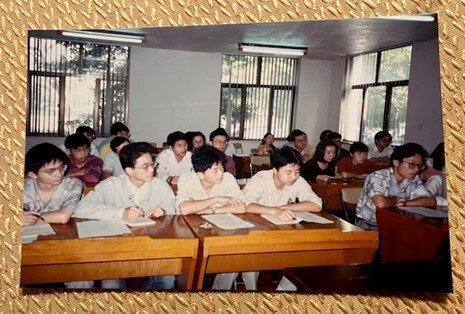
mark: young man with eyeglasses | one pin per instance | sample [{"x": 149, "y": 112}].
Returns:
[
  {"x": 219, "y": 139},
  {"x": 48, "y": 194},
  {"x": 398, "y": 185},
  {"x": 83, "y": 165},
  {"x": 138, "y": 193},
  {"x": 381, "y": 150}
]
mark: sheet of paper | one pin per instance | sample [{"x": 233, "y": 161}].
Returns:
[
  {"x": 39, "y": 228},
  {"x": 227, "y": 221},
  {"x": 427, "y": 212},
  {"x": 309, "y": 217},
  {"x": 140, "y": 222},
  {"x": 28, "y": 239},
  {"x": 275, "y": 219},
  {"x": 101, "y": 228}
]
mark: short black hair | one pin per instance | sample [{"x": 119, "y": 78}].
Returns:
[
  {"x": 294, "y": 133},
  {"x": 285, "y": 156},
  {"x": 74, "y": 141},
  {"x": 324, "y": 135},
  {"x": 321, "y": 148},
  {"x": 205, "y": 157},
  {"x": 264, "y": 136},
  {"x": 42, "y": 154},
  {"x": 217, "y": 132},
  {"x": 174, "y": 137},
  {"x": 85, "y": 129},
  {"x": 408, "y": 150},
  {"x": 118, "y": 127},
  {"x": 358, "y": 147},
  {"x": 117, "y": 141},
  {"x": 131, "y": 152},
  {"x": 379, "y": 135},
  {"x": 190, "y": 137},
  {"x": 333, "y": 136}
]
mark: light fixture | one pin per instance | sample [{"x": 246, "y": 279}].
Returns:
[
  {"x": 107, "y": 36},
  {"x": 412, "y": 18},
  {"x": 273, "y": 50}
]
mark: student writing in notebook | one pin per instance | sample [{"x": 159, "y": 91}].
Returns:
[{"x": 135, "y": 194}]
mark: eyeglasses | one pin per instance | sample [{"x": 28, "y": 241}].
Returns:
[
  {"x": 146, "y": 167},
  {"x": 80, "y": 150},
  {"x": 220, "y": 142},
  {"x": 413, "y": 165},
  {"x": 60, "y": 169}
]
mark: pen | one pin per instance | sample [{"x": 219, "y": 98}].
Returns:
[
  {"x": 36, "y": 215},
  {"x": 135, "y": 205}
]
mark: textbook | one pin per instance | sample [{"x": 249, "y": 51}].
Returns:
[{"x": 140, "y": 222}]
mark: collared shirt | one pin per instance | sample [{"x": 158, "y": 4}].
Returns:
[
  {"x": 65, "y": 195},
  {"x": 169, "y": 166},
  {"x": 111, "y": 196},
  {"x": 373, "y": 151},
  {"x": 306, "y": 153},
  {"x": 261, "y": 189},
  {"x": 383, "y": 182},
  {"x": 112, "y": 163},
  {"x": 190, "y": 188}
]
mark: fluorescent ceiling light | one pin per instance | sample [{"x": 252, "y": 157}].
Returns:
[
  {"x": 413, "y": 18},
  {"x": 116, "y": 37},
  {"x": 273, "y": 50}
]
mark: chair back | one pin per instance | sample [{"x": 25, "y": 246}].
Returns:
[
  {"x": 349, "y": 199},
  {"x": 254, "y": 151},
  {"x": 238, "y": 147},
  {"x": 258, "y": 163}
]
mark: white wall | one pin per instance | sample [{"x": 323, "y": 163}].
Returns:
[{"x": 424, "y": 110}]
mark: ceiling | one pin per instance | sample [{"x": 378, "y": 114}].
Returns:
[{"x": 327, "y": 40}]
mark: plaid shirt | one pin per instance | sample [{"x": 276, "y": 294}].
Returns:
[{"x": 379, "y": 183}]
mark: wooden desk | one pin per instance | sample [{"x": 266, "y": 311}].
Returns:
[
  {"x": 271, "y": 247},
  {"x": 167, "y": 248},
  {"x": 406, "y": 236},
  {"x": 328, "y": 191}
]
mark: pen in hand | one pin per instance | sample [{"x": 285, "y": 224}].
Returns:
[
  {"x": 136, "y": 206},
  {"x": 33, "y": 214}
]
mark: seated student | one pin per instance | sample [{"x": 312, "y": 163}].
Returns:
[
  {"x": 116, "y": 129},
  {"x": 196, "y": 139},
  {"x": 324, "y": 135},
  {"x": 435, "y": 182},
  {"x": 281, "y": 192},
  {"x": 90, "y": 133},
  {"x": 398, "y": 185},
  {"x": 48, "y": 194},
  {"x": 322, "y": 166},
  {"x": 82, "y": 165},
  {"x": 298, "y": 140},
  {"x": 356, "y": 165},
  {"x": 336, "y": 139},
  {"x": 381, "y": 150},
  {"x": 174, "y": 161},
  {"x": 112, "y": 165},
  {"x": 209, "y": 189},
  {"x": 219, "y": 139},
  {"x": 137, "y": 193},
  {"x": 266, "y": 147}
]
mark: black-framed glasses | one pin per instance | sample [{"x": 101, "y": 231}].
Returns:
[
  {"x": 147, "y": 166},
  {"x": 413, "y": 165}
]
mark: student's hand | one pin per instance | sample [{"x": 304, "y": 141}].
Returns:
[
  {"x": 155, "y": 211},
  {"x": 29, "y": 218},
  {"x": 284, "y": 214},
  {"x": 132, "y": 212},
  {"x": 323, "y": 177},
  {"x": 226, "y": 200},
  {"x": 400, "y": 201}
]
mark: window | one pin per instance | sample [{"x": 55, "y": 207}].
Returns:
[
  {"x": 257, "y": 95},
  {"x": 72, "y": 84},
  {"x": 376, "y": 95}
]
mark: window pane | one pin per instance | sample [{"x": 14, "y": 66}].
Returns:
[
  {"x": 282, "y": 111},
  {"x": 397, "y": 114},
  {"x": 256, "y": 115},
  {"x": 373, "y": 112},
  {"x": 44, "y": 105},
  {"x": 239, "y": 69},
  {"x": 363, "y": 69},
  {"x": 230, "y": 111},
  {"x": 395, "y": 64},
  {"x": 352, "y": 115}
]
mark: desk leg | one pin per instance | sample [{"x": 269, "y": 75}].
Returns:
[{"x": 200, "y": 269}]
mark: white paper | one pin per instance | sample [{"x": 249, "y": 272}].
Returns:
[
  {"x": 309, "y": 217},
  {"x": 140, "y": 222},
  {"x": 277, "y": 221},
  {"x": 101, "y": 228},
  {"x": 28, "y": 239},
  {"x": 427, "y": 212},
  {"x": 227, "y": 221},
  {"x": 39, "y": 228}
]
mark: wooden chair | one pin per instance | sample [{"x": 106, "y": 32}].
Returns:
[
  {"x": 238, "y": 147},
  {"x": 349, "y": 199},
  {"x": 258, "y": 163},
  {"x": 254, "y": 151}
]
